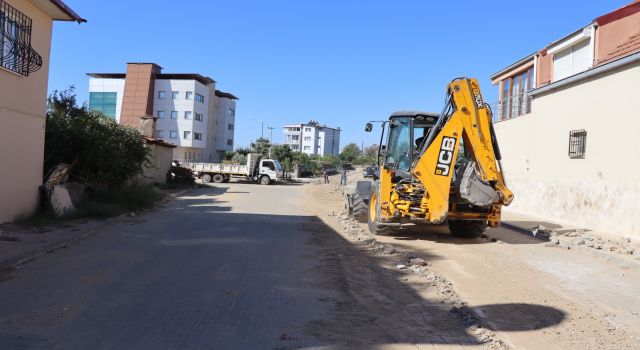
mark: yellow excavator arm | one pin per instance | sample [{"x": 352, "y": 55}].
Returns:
[{"x": 468, "y": 119}]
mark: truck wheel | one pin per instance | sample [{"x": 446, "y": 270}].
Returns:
[
  {"x": 218, "y": 178},
  {"x": 373, "y": 217},
  {"x": 205, "y": 178},
  {"x": 467, "y": 229},
  {"x": 359, "y": 209},
  {"x": 265, "y": 180}
]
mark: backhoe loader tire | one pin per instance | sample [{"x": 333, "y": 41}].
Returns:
[
  {"x": 467, "y": 229},
  {"x": 218, "y": 178},
  {"x": 373, "y": 213},
  {"x": 359, "y": 209}
]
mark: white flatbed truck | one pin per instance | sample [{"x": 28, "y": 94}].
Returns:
[{"x": 264, "y": 171}]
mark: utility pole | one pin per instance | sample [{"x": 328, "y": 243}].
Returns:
[
  {"x": 262, "y": 128},
  {"x": 270, "y": 139}
]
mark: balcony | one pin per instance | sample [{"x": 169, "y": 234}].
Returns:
[{"x": 511, "y": 107}]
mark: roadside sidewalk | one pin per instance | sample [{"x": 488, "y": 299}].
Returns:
[
  {"x": 620, "y": 250},
  {"x": 20, "y": 244}
]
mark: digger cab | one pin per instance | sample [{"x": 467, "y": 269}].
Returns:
[{"x": 406, "y": 132}]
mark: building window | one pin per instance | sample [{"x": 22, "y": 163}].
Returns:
[
  {"x": 230, "y": 127},
  {"x": 295, "y": 137},
  {"x": 160, "y": 134},
  {"x": 161, "y": 94},
  {"x": 104, "y": 102},
  {"x": 174, "y": 114},
  {"x": 307, "y": 148},
  {"x": 16, "y": 53},
  {"x": 572, "y": 60},
  {"x": 229, "y": 142},
  {"x": 173, "y": 134},
  {"x": 197, "y": 136},
  {"x": 199, "y": 98},
  {"x": 577, "y": 144},
  {"x": 232, "y": 112},
  {"x": 189, "y": 95},
  {"x": 514, "y": 98},
  {"x": 307, "y": 129},
  {"x": 186, "y": 135},
  {"x": 199, "y": 117},
  {"x": 307, "y": 138},
  {"x": 187, "y": 115},
  {"x": 160, "y": 114},
  {"x": 174, "y": 95}
]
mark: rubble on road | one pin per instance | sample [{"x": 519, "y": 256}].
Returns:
[
  {"x": 410, "y": 264},
  {"x": 592, "y": 240}
]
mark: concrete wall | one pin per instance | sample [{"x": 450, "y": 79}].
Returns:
[
  {"x": 599, "y": 192},
  {"x": 22, "y": 123},
  {"x": 161, "y": 158}
]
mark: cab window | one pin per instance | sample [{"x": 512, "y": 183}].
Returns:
[
  {"x": 399, "y": 143},
  {"x": 269, "y": 165}
]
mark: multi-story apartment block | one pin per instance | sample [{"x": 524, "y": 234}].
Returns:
[
  {"x": 225, "y": 122},
  {"x": 567, "y": 123},
  {"x": 312, "y": 138},
  {"x": 25, "y": 47},
  {"x": 185, "y": 105}
]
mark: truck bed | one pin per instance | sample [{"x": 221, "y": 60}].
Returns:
[{"x": 218, "y": 168}]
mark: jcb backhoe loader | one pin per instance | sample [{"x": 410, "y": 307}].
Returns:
[{"x": 438, "y": 168}]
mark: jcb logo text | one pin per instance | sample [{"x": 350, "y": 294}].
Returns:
[{"x": 445, "y": 157}]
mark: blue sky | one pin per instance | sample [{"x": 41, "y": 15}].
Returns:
[{"x": 339, "y": 62}]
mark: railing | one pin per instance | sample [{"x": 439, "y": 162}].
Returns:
[
  {"x": 16, "y": 53},
  {"x": 511, "y": 107}
]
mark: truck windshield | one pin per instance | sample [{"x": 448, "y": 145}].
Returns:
[
  {"x": 399, "y": 143},
  {"x": 278, "y": 165}
]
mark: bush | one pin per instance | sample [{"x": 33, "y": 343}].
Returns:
[
  {"x": 105, "y": 203},
  {"x": 103, "y": 153}
]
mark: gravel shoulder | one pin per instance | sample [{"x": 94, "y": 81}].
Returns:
[{"x": 529, "y": 295}]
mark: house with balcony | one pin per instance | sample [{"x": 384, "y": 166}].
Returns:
[
  {"x": 25, "y": 42},
  {"x": 312, "y": 138},
  {"x": 567, "y": 121}
]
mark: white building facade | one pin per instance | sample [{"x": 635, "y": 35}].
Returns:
[
  {"x": 312, "y": 139},
  {"x": 225, "y": 122},
  {"x": 186, "y": 107}
]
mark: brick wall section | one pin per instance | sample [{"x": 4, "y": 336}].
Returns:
[{"x": 138, "y": 92}]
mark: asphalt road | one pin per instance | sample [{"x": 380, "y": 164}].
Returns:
[{"x": 221, "y": 268}]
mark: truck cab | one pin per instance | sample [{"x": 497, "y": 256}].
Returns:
[{"x": 269, "y": 171}]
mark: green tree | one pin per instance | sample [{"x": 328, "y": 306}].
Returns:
[
  {"x": 349, "y": 153},
  {"x": 371, "y": 151},
  {"x": 228, "y": 155},
  {"x": 261, "y": 145},
  {"x": 243, "y": 150},
  {"x": 239, "y": 158},
  {"x": 103, "y": 153},
  {"x": 281, "y": 152}
]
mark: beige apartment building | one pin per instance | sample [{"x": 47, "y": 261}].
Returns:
[
  {"x": 567, "y": 122},
  {"x": 25, "y": 41}
]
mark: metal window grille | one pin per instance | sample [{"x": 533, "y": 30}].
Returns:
[
  {"x": 577, "y": 144},
  {"x": 16, "y": 53}
]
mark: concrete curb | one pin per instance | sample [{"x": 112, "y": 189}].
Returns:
[
  {"x": 540, "y": 236},
  {"x": 13, "y": 262}
]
